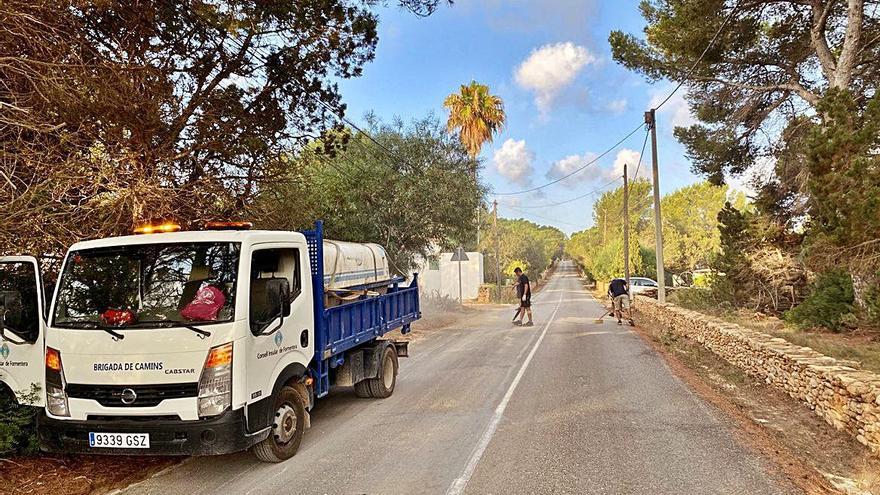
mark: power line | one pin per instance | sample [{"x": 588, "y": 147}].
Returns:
[
  {"x": 693, "y": 67},
  {"x": 641, "y": 154},
  {"x": 594, "y": 191},
  {"x": 591, "y": 162},
  {"x": 545, "y": 218}
]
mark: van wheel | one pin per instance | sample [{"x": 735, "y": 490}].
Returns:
[
  {"x": 383, "y": 385},
  {"x": 287, "y": 428}
]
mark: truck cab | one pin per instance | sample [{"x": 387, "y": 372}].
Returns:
[{"x": 196, "y": 343}]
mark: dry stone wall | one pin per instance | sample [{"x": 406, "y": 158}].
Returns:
[{"x": 844, "y": 396}]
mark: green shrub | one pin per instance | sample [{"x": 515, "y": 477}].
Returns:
[
  {"x": 829, "y": 305},
  {"x": 18, "y": 424}
]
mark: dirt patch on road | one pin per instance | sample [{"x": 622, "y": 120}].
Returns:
[
  {"x": 76, "y": 475},
  {"x": 814, "y": 456},
  {"x": 438, "y": 317}
]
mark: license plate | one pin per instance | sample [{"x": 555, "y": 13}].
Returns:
[{"x": 119, "y": 440}]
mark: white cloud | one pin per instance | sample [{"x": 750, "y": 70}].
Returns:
[
  {"x": 568, "y": 165},
  {"x": 630, "y": 158},
  {"x": 617, "y": 106},
  {"x": 676, "y": 112},
  {"x": 550, "y": 69},
  {"x": 514, "y": 161},
  {"x": 596, "y": 174}
]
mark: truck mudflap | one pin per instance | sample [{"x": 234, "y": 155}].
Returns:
[{"x": 224, "y": 434}]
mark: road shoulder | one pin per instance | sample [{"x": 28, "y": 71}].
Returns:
[{"x": 813, "y": 456}]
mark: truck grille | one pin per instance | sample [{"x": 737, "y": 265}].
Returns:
[{"x": 144, "y": 395}]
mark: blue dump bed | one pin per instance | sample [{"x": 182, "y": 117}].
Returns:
[{"x": 341, "y": 328}]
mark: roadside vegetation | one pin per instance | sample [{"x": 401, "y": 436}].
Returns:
[
  {"x": 522, "y": 244},
  {"x": 367, "y": 196},
  {"x": 18, "y": 425},
  {"x": 690, "y": 232},
  {"x": 795, "y": 114}
]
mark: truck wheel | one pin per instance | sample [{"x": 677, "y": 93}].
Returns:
[
  {"x": 362, "y": 389},
  {"x": 383, "y": 385},
  {"x": 287, "y": 428}
]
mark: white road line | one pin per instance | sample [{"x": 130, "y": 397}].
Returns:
[{"x": 457, "y": 487}]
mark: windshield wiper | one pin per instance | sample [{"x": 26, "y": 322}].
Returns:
[
  {"x": 92, "y": 325},
  {"x": 172, "y": 324}
]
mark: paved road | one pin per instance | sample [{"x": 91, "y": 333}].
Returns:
[{"x": 567, "y": 406}]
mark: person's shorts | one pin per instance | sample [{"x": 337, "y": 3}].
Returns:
[
  {"x": 525, "y": 304},
  {"x": 621, "y": 302}
]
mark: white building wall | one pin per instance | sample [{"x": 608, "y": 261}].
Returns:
[{"x": 442, "y": 278}]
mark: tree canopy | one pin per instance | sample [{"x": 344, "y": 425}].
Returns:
[
  {"x": 522, "y": 243},
  {"x": 773, "y": 62},
  {"x": 114, "y": 112},
  {"x": 398, "y": 198},
  {"x": 690, "y": 233}
]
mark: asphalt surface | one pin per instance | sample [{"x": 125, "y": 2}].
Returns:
[{"x": 566, "y": 406}]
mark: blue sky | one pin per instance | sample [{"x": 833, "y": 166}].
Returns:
[{"x": 566, "y": 99}]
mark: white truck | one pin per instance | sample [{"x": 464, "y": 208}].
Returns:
[{"x": 201, "y": 342}]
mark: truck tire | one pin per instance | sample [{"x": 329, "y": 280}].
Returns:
[
  {"x": 362, "y": 389},
  {"x": 383, "y": 385},
  {"x": 287, "y": 426}
]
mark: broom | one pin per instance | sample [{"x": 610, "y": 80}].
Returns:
[{"x": 601, "y": 319}]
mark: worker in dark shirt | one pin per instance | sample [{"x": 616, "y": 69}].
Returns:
[
  {"x": 618, "y": 291},
  {"x": 524, "y": 294}
]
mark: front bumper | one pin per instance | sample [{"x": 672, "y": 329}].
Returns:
[{"x": 224, "y": 434}]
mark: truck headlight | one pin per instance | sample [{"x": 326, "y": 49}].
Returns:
[
  {"x": 56, "y": 398},
  {"x": 215, "y": 384}
]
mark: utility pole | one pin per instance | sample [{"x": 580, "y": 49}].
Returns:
[
  {"x": 497, "y": 250},
  {"x": 650, "y": 119},
  {"x": 460, "y": 299},
  {"x": 604, "y": 225},
  {"x": 479, "y": 207},
  {"x": 625, "y": 226}
]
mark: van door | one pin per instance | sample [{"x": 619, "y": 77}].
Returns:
[{"x": 22, "y": 328}]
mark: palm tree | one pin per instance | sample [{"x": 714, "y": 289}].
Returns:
[{"x": 476, "y": 115}]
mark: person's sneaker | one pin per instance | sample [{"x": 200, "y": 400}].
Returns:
[
  {"x": 619, "y": 322},
  {"x": 517, "y": 323},
  {"x": 632, "y": 323},
  {"x": 528, "y": 324}
]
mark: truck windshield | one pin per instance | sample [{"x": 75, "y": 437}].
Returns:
[{"x": 148, "y": 285}]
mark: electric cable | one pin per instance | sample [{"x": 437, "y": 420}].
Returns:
[{"x": 577, "y": 170}]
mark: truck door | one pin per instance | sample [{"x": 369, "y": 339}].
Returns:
[
  {"x": 22, "y": 328},
  {"x": 279, "y": 315}
]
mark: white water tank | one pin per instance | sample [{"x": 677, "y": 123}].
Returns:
[{"x": 350, "y": 264}]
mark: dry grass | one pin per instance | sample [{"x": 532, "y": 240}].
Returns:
[{"x": 862, "y": 346}]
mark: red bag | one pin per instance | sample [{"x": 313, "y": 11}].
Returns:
[{"x": 206, "y": 304}]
